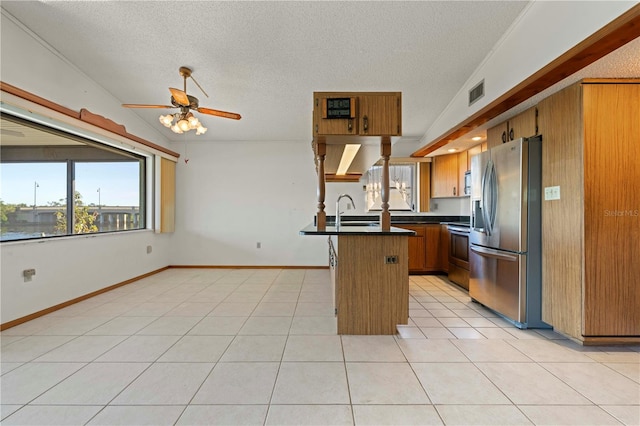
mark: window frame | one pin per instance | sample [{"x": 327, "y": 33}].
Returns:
[{"x": 137, "y": 152}]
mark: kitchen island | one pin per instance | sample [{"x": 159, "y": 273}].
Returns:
[{"x": 370, "y": 276}]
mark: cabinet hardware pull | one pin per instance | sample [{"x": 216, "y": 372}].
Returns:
[
  {"x": 511, "y": 134},
  {"x": 454, "y": 190},
  {"x": 504, "y": 137},
  {"x": 365, "y": 123},
  {"x": 350, "y": 125}
]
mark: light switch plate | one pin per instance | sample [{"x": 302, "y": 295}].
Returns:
[{"x": 552, "y": 193}]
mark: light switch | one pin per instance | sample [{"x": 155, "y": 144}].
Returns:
[{"x": 552, "y": 193}]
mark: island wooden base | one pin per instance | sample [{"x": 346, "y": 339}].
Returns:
[{"x": 371, "y": 295}]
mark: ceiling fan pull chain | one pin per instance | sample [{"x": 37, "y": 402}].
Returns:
[{"x": 199, "y": 87}]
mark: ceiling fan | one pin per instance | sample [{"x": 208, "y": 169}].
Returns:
[{"x": 185, "y": 120}]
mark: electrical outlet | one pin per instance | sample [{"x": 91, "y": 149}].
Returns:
[
  {"x": 258, "y": 244},
  {"x": 28, "y": 274},
  {"x": 552, "y": 193},
  {"x": 149, "y": 249},
  {"x": 391, "y": 259}
]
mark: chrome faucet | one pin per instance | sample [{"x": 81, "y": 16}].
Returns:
[{"x": 338, "y": 212}]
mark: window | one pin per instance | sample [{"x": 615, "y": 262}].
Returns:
[
  {"x": 41, "y": 169},
  {"x": 401, "y": 187}
]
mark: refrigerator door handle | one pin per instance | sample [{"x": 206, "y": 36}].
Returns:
[
  {"x": 485, "y": 217},
  {"x": 493, "y": 190},
  {"x": 482, "y": 251}
]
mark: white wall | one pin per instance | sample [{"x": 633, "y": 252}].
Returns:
[
  {"x": 70, "y": 267},
  {"x": 67, "y": 268},
  {"x": 232, "y": 195}
]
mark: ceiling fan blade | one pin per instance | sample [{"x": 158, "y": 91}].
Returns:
[
  {"x": 219, "y": 113},
  {"x": 179, "y": 96},
  {"x": 146, "y": 106}
]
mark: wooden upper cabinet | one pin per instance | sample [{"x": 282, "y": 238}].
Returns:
[
  {"x": 497, "y": 135},
  {"x": 369, "y": 114},
  {"x": 444, "y": 176},
  {"x": 522, "y": 125},
  {"x": 325, "y": 125},
  {"x": 380, "y": 115}
]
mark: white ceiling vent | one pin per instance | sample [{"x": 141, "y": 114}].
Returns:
[{"x": 476, "y": 92}]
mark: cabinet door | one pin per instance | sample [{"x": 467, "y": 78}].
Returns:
[
  {"x": 379, "y": 115},
  {"x": 332, "y": 126},
  {"x": 432, "y": 236},
  {"x": 417, "y": 258},
  {"x": 497, "y": 135},
  {"x": 444, "y": 176},
  {"x": 523, "y": 125},
  {"x": 444, "y": 248},
  {"x": 611, "y": 292}
]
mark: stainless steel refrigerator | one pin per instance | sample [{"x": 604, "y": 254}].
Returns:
[{"x": 505, "y": 238}]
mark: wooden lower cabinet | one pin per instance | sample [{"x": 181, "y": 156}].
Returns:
[
  {"x": 417, "y": 258},
  {"x": 424, "y": 248},
  {"x": 444, "y": 248}
]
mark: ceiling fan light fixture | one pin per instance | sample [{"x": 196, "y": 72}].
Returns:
[
  {"x": 166, "y": 120},
  {"x": 201, "y": 130},
  {"x": 193, "y": 121},
  {"x": 184, "y": 125},
  {"x": 176, "y": 129}
]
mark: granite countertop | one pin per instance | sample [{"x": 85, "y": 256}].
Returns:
[
  {"x": 364, "y": 229},
  {"x": 406, "y": 219}
]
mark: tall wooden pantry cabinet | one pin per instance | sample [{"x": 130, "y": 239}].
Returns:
[{"x": 591, "y": 234}]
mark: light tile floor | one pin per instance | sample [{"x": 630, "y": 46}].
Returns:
[{"x": 259, "y": 346}]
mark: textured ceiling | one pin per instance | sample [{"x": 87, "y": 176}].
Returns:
[{"x": 265, "y": 59}]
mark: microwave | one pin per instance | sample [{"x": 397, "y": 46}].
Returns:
[{"x": 467, "y": 182}]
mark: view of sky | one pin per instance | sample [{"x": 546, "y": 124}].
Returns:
[{"x": 46, "y": 182}]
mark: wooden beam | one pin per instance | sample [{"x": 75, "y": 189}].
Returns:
[{"x": 349, "y": 177}]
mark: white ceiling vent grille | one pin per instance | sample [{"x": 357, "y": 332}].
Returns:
[{"x": 476, "y": 92}]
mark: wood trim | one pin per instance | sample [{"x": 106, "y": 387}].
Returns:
[
  {"x": 599, "y": 341},
  {"x": 616, "y": 34},
  {"x": 245, "y": 267},
  {"x": 349, "y": 177},
  {"x": 59, "y": 306},
  {"x": 610, "y": 81},
  {"x": 5, "y": 87},
  {"x": 425, "y": 186},
  {"x": 84, "y": 115}
]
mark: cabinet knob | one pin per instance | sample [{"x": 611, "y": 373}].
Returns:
[
  {"x": 365, "y": 123},
  {"x": 504, "y": 137},
  {"x": 511, "y": 134}
]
